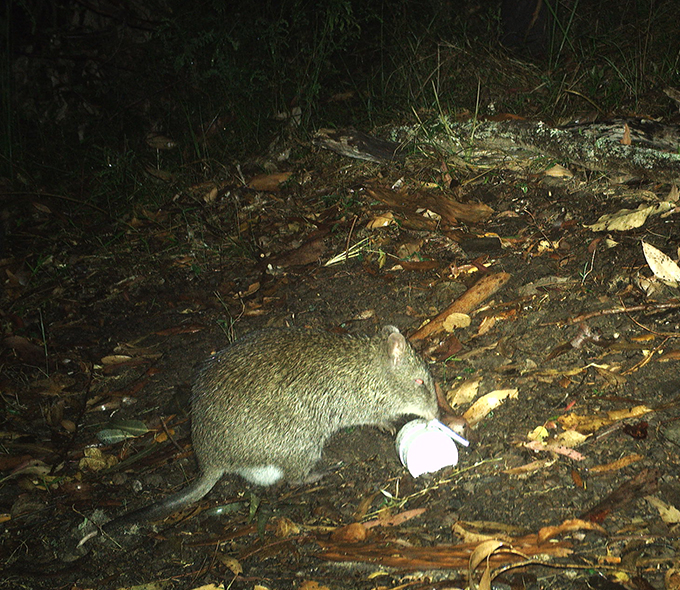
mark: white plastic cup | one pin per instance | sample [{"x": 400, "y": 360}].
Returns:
[{"x": 426, "y": 447}]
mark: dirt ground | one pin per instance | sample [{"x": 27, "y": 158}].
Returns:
[{"x": 106, "y": 320}]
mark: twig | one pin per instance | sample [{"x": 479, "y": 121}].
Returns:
[
  {"x": 646, "y": 329},
  {"x": 170, "y": 437},
  {"x": 656, "y": 307},
  {"x": 646, "y": 359},
  {"x": 349, "y": 236}
]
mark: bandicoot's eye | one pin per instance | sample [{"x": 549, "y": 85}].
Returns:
[{"x": 419, "y": 381}]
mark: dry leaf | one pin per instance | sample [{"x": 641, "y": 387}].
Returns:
[
  {"x": 27, "y": 466},
  {"x": 269, "y": 182},
  {"x": 610, "y": 377},
  {"x": 396, "y": 519},
  {"x": 342, "y": 96},
  {"x": 661, "y": 265},
  {"x": 539, "y": 446},
  {"x": 486, "y": 404},
  {"x": 583, "y": 424},
  {"x": 252, "y": 289},
  {"x": 211, "y": 196},
  {"x": 568, "y": 526},
  {"x": 382, "y": 220},
  {"x": 558, "y": 171},
  {"x": 231, "y": 563},
  {"x": 367, "y": 314},
  {"x": 463, "y": 394},
  {"x": 427, "y": 214},
  {"x": 626, "y": 219},
  {"x": 571, "y": 438},
  {"x": 616, "y": 465},
  {"x": 42, "y": 207},
  {"x": 609, "y": 559},
  {"x": 352, "y": 533},
  {"x": 538, "y": 433},
  {"x": 482, "y": 553},
  {"x": 95, "y": 460},
  {"x": 284, "y": 527},
  {"x": 476, "y": 538},
  {"x": 456, "y": 320},
  {"x": 486, "y": 325},
  {"x": 530, "y": 467},
  {"x": 159, "y": 142},
  {"x": 634, "y": 412},
  {"x": 115, "y": 359},
  {"x": 670, "y": 355},
  {"x": 68, "y": 425},
  {"x": 669, "y": 514},
  {"x": 408, "y": 249}
]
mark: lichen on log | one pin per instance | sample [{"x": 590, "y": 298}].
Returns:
[{"x": 593, "y": 147}]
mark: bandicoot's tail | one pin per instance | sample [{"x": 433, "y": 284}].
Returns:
[{"x": 205, "y": 482}]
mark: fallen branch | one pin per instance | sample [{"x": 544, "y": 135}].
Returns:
[{"x": 600, "y": 146}]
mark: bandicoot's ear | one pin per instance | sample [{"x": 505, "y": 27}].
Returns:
[
  {"x": 387, "y": 330},
  {"x": 396, "y": 345}
]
